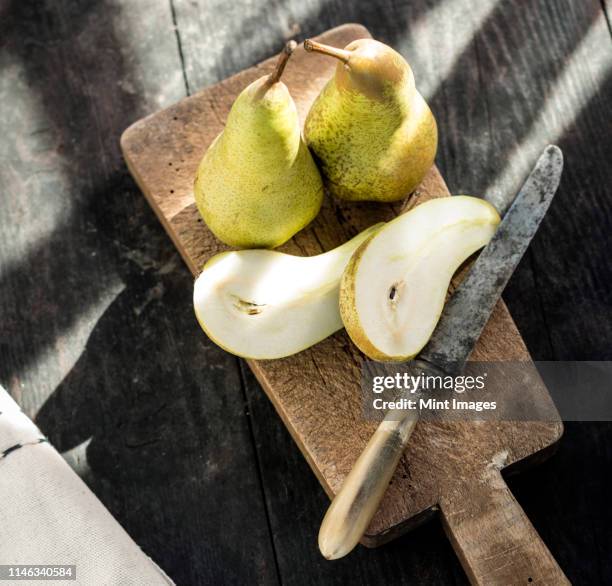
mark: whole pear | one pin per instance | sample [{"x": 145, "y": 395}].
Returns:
[
  {"x": 257, "y": 184},
  {"x": 372, "y": 132}
]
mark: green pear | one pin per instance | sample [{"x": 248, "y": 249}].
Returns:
[
  {"x": 257, "y": 184},
  {"x": 371, "y": 131},
  {"x": 394, "y": 287},
  {"x": 267, "y": 304}
]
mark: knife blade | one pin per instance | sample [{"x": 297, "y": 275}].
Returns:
[
  {"x": 468, "y": 310},
  {"x": 460, "y": 325}
]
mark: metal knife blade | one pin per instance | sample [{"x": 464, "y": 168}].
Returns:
[
  {"x": 460, "y": 325},
  {"x": 468, "y": 310}
]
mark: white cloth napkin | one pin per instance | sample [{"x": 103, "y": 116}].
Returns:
[{"x": 49, "y": 516}]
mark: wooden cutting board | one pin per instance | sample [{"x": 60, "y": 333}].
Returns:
[{"x": 454, "y": 467}]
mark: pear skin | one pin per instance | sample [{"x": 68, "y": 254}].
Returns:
[
  {"x": 350, "y": 318},
  {"x": 371, "y": 131},
  {"x": 258, "y": 185}
]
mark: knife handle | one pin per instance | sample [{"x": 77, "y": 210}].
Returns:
[
  {"x": 492, "y": 536},
  {"x": 354, "y": 506}
]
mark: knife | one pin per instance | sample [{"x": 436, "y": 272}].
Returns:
[{"x": 460, "y": 325}]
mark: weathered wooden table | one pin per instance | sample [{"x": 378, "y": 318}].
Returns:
[{"x": 97, "y": 336}]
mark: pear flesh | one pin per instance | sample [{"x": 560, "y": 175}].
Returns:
[
  {"x": 394, "y": 288},
  {"x": 371, "y": 131},
  {"x": 265, "y": 304},
  {"x": 258, "y": 184}
]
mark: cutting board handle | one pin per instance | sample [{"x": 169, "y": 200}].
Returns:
[{"x": 494, "y": 539}]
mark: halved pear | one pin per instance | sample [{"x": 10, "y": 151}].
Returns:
[
  {"x": 265, "y": 304},
  {"x": 393, "y": 289}
]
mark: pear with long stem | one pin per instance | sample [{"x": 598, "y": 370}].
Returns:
[
  {"x": 257, "y": 184},
  {"x": 371, "y": 131}
]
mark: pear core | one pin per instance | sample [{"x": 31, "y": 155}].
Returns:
[
  {"x": 265, "y": 304},
  {"x": 394, "y": 288}
]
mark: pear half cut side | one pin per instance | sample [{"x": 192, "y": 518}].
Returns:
[
  {"x": 393, "y": 289},
  {"x": 264, "y": 304}
]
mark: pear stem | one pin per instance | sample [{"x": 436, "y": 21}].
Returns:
[
  {"x": 341, "y": 54},
  {"x": 281, "y": 63}
]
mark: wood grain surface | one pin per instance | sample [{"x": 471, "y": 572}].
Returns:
[
  {"x": 317, "y": 392},
  {"x": 97, "y": 336},
  {"x": 91, "y": 343}
]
